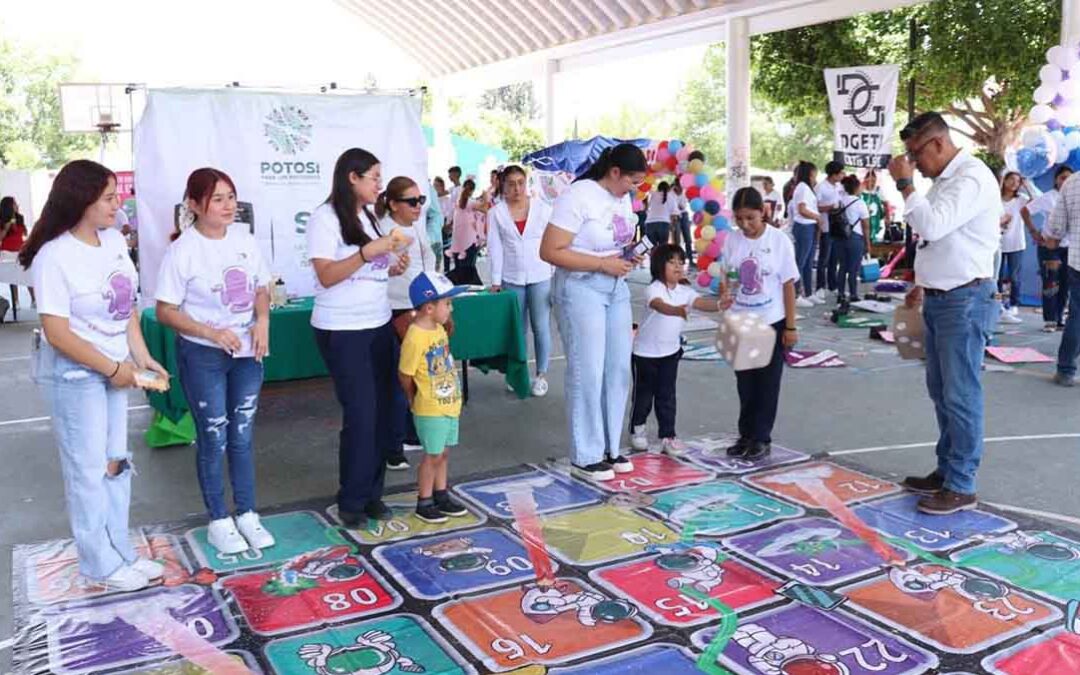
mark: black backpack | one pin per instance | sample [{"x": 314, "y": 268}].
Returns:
[{"x": 839, "y": 227}]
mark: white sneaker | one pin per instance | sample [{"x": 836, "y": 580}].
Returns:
[
  {"x": 820, "y": 296},
  {"x": 803, "y": 302},
  {"x": 127, "y": 578},
  {"x": 150, "y": 569},
  {"x": 540, "y": 386},
  {"x": 251, "y": 527},
  {"x": 223, "y": 535},
  {"x": 1009, "y": 318},
  {"x": 1014, "y": 310},
  {"x": 638, "y": 441},
  {"x": 672, "y": 447}
]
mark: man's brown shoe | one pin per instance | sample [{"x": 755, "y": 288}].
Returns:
[
  {"x": 945, "y": 501},
  {"x": 927, "y": 486}
]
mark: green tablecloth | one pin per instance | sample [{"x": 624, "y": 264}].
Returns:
[{"x": 488, "y": 333}]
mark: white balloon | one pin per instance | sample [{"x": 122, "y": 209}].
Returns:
[
  {"x": 1060, "y": 57},
  {"x": 1072, "y": 140},
  {"x": 1068, "y": 90},
  {"x": 1033, "y": 135},
  {"x": 1053, "y": 54},
  {"x": 1060, "y": 143},
  {"x": 1068, "y": 115},
  {"x": 1040, "y": 114},
  {"x": 1050, "y": 74},
  {"x": 1044, "y": 93},
  {"x": 1069, "y": 58}
]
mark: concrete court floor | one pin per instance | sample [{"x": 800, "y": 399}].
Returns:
[{"x": 879, "y": 400}]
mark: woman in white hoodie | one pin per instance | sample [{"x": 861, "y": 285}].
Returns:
[{"x": 515, "y": 227}]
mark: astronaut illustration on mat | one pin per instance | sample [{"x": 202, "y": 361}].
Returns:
[
  {"x": 698, "y": 567},
  {"x": 456, "y": 555},
  {"x": 772, "y": 654},
  {"x": 373, "y": 653},
  {"x": 542, "y": 603}
]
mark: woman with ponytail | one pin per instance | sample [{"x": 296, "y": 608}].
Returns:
[
  {"x": 92, "y": 354},
  {"x": 587, "y": 240}
]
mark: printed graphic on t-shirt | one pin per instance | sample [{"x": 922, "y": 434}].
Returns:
[
  {"x": 120, "y": 292},
  {"x": 750, "y": 277},
  {"x": 624, "y": 233},
  {"x": 440, "y": 368},
  {"x": 237, "y": 290}
]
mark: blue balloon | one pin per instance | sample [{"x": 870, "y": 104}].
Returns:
[
  {"x": 721, "y": 223},
  {"x": 1073, "y": 161},
  {"x": 1031, "y": 162},
  {"x": 712, "y": 207},
  {"x": 714, "y": 285},
  {"x": 696, "y": 204},
  {"x": 674, "y": 146},
  {"x": 701, "y": 180}
]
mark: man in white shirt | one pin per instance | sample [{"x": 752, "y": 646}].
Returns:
[
  {"x": 1063, "y": 230},
  {"x": 957, "y": 224},
  {"x": 773, "y": 200},
  {"x": 828, "y": 197}
]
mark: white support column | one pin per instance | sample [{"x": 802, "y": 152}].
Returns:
[
  {"x": 738, "y": 104},
  {"x": 1070, "y": 22},
  {"x": 547, "y": 87}
]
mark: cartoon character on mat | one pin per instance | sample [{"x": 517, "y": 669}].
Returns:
[
  {"x": 237, "y": 290},
  {"x": 697, "y": 566},
  {"x": 330, "y": 564},
  {"x": 440, "y": 366},
  {"x": 808, "y": 541},
  {"x": 926, "y": 581},
  {"x": 542, "y": 603},
  {"x": 703, "y": 506},
  {"x": 772, "y": 654},
  {"x": 456, "y": 555},
  {"x": 120, "y": 293},
  {"x": 374, "y": 653},
  {"x": 1022, "y": 542},
  {"x": 631, "y": 499}
]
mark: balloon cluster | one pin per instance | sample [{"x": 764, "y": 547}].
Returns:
[{"x": 1055, "y": 138}]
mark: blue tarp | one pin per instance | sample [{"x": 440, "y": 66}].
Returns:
[{"x": 576, "y": 156}]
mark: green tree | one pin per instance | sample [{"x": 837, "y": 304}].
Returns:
[
  {"x": 626, "y": 122},
  {"x": 31, "y": 129},
  {"x": 703, "y": 122},
  {"x": 977, "y": 60},
  {"x": 778, "y": 141}
]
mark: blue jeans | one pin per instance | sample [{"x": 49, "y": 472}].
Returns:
[
  {"x": 90, "y": 423},
  {"x": 1070, "y": 338},
  {"x": 595, "y": 322},
  {"x": 805, "y": 242},
  {"x": 687, "y": 238},
  {"x": 1011, "y": 264},
  {"x": 1054, "y": 264},
  {"x": 956, "y": 334},
  {"x": 657, "y": 232},
  {"x": 535, "y": 303},
  {"x": 363, "y": 365},
  {"x": 223, "y": 393},
  {"x": 849, "y": 254},
  {"x": 826, "y": 263}
]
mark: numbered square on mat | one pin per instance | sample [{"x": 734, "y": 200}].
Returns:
[
  {"x": 551, "y": 491},
  {"x": 796, "y": 639},
  {"x": 400, "y": 643},
  {"x": 898, "y": 517},
  {"x": 654, "y": 471},
  {"x": 721, "y": 507},
  {"x": 328, "y": 585},
  {"x": 52, "y": 570},
  {"x": 816, "y": 551},
  {"x": 100, "y": 634},
  {"x": 1041, "y": 562},
  {"x": 800, "y": 482},
  {"x": 602, "y": 533},
  {"x": 656, "y": 584},
  {"x": 405, "y": 524},
  {"x": 296, "y": 533},
  {"x": 948, "y": 609},
  {"x": 439, "y": 567},
  {"x": 711, "y": 452},
  {"x": 186, "y": 667},
  {"x": 656, "y": 659},
  {"x": 1055, "y": 652},
  {"x": 516, "y": 627}
]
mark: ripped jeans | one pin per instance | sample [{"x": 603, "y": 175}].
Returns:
[
  {"x": 89, "y": 420},
  {"x": 223, "y": 394}
]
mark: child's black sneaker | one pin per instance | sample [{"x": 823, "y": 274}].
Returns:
[
  {"x": 429, "y": 513},
  {"x": 448, "y": 507},
  {"x": 620, "y": 464},
  {"x": 598, "y": 471},
  {"x": 757, "y": 451}
]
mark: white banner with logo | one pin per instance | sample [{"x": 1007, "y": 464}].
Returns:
[
  {"x": 862, "y": 100},
  {"x": 278, "y": 148}
]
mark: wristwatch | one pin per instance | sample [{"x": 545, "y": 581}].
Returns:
[{"x": 903, "y": 184}]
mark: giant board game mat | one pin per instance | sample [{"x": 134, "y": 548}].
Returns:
[{"x": 794, "y": 566}]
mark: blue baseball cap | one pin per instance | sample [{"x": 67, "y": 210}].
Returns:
[{"x": 431, "y": 286}]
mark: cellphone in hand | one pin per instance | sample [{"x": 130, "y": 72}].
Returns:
[{"x": 637, "y": 250}]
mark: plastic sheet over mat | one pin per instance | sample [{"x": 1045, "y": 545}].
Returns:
[{"x": 794, "y": 565}]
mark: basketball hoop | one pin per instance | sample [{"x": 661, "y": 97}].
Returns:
[{"x": 107, "y": 110}]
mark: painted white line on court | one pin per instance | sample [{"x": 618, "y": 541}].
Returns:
[
  {"x": 1035, "y": 512},
  {"x": 930, "y": 444},
  {"x": 31, "y": 420},
  {"x": 6, "y": 644},
  {"x": 14, "y": 358}
]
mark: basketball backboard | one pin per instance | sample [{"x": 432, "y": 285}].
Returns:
[{"x": 97, "y": 107}]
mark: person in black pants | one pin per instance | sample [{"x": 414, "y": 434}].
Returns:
[
  {"x": 351, "y": 256},
  {"x": 767, "y": 273}
]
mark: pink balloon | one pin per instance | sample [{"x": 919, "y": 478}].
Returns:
[
  {"x": 708, "y": 193},
  {"x": 662, "y": 155},
  {"x": 686, "y": 180},
  {"x": 703, "y": 279},
  {"x": 713, "y": 250},
  {"x": 682, "y": 153},
  {"x": 718, "y": 240},
  {"x": 699, "y": 216},
  {"x": 638, "y": 206}
]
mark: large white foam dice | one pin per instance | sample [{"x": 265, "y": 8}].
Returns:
[
  {"x": 908, "y": 330},
  {"x": 745, "y": 341}
]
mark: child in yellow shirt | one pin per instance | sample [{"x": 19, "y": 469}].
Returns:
[{"x": 431, "y": 385}]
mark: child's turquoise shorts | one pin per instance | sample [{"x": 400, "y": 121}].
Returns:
[{"x": 436, "y": 433}]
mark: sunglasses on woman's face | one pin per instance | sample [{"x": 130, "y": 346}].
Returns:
[{"x": 413, "y": 201}]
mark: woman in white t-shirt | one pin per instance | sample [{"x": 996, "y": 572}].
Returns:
[
  {"x": 353, "y": 258},
  {"x": 515, "y": 226},
  {"x": 850, "y": 251},
  {"x": 1053, "y": 262},
  {"x": 658, "y": 347},
  {"x": 767, "y": 275},
  {"x": 805, "y": 224},
  {"x": 1013, "y": 241},
  {"x": 92, "y": 354},
  {"x": 681, "y": 233},
  {"x": 213, "y": 290},
  {"x": 590, "y": 242},
  {"x": 398, "y": 209},
  {"x": 662, "y": 214}
]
